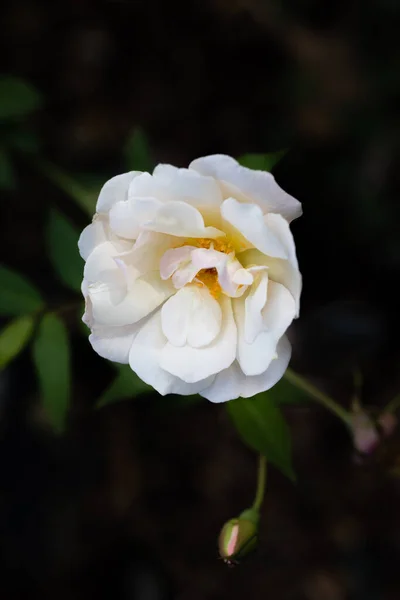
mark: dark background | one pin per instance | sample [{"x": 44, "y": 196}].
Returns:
[{"x": 129, "y": 503}]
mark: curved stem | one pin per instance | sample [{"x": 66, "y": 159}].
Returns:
[
  {"x": 319, "y": 396},
  {"x": 261, "y": 483}
]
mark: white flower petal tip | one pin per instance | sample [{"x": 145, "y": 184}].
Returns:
[{"x": 191, "y": 277}]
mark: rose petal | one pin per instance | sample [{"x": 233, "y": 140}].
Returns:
[
  {"x": 114, "y": 343},
  {"x": 173, "y": 258},
  {"x": 118, "y": 307},
  {"x": 277, "y": 315},
  {"x": 191, "y": 316},
  {"x": 248, "y": 185},
  {"x": 248, "y": 220},
  {"x": 188, "y": 186},
  {"x": 93, "y": 235},
  {"x": 233, "y": 383},
  {"x": 254, "y": 303},
  {"x": 115, "y": 190},
  {"x": 126, "y": 217},
  {"x": 193, "y": 364},
  {"x": 144, "y": 360},
  {"x": 280, "y": 271},
  {"x": 180, "y": 219}
]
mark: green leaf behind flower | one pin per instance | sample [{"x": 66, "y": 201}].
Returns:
[
  {"x": 261, "y": 162},
  {"x": 137, "y": 152},
  {"x": 284, "y": 392},
  {"x": 261, "y": 425},
  {"x": 14, "y": 337},
  {"x": 125, "y": 385},
  {"x": 51, "y": 355},
  {"x": 62, "y": 241},
  {"x": 17, "y": 295},
  {"x": 17, "y": 98}
]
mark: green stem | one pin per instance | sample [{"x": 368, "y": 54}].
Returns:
[
  {"x": 261, "y": 483},
  {"x": 319, "y": 396}
]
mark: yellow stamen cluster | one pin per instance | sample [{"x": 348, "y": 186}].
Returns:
[
  {"x": 209, "y": 277},
  {"x": 219, "y": 244}
]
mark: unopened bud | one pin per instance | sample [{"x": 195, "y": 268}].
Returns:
[
  {"x": 365, "y": 433},
  {"x": 238, "y": 537},
  {"x": 388, "y": 423},
  {"x": 368, "y": 433}
]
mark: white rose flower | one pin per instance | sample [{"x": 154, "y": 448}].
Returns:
[{"x": 191, "y": 277}]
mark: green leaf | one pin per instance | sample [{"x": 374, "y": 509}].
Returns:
[
  {"x": 51, "y": 355},
  {"x": 17, "y": 295},
  {"x": 14, "y": 337},
  {"x": 24, "y": 141},
  {"x": 261, "y": 162},
  {"x": 125, "y": 385},
  {"x": 137, "y": 152},
  {"x": 84, "y": 196},
  {"x": 262, "y": 427},
  {"x": 7, "y": 175},
  {"x": 62, "y": 242},
  {"x": 17, "y": 98},
  {"x": 285, "y": 392}
]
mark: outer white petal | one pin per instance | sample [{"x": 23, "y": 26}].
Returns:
[
  {"x": 233, "y": 383},
  {"x": 192, "y": 316},
  {"x": 115, "y": 190},
  {"x": 248, "y": 220},
  {"x": 93, "y": 235},
  {"x": 248, "y": 185},
  {"x": 281, "y": 229},
  {"x": 118, "y": 307},
  {"x": 180, "y": 219},
  {"x": 278, "y": 313},
  {"x": 101, "y": 268},
  {"x": 188, "y": 186},
  {"x": 87, "y": 316},
  {"x": 194, "y": 364},
  {"x": 114, "y": 343},
  {"x": 144, "y": 359},
  {"x": 127, "y": 217}
]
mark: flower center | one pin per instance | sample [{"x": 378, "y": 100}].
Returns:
[
  {"x": 219, "y": 244},
  {"x": 209, "y": 277},
  {"x": 206, "y": 262}
]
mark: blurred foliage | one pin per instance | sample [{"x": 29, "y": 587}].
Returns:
[
  {"x": 18, "y": 99},
  {"x": 62, "y": 246},
  {"x": 262, "y": 427},
  {"x": 261, "y": 162},
  {"x": 18, "y": 296},
  {"x": 51, "y": 355},
  {"x": 137, "y": 152},
  {"x": 14, "y": 337},
  {"x": 125, "y": 385}
]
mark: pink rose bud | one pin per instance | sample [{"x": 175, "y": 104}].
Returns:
[
  {"x": 237, "y": 539},
  {"x": 365, "y": 434},
  {"x": 388, "y": 423}
]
